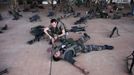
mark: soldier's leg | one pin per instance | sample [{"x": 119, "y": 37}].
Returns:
[
  {"x": 89, "y": 48},
  {"x": 97, "y": 47}
]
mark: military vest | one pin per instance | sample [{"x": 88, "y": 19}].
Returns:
[
  {"x": 75, "y": 49},
  {"x": 56, "y": 31}
]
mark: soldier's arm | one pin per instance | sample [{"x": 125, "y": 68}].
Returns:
[
  {"x": 46, "y": 32},
  {"x": 63, "y": 33},
  {"x": 81, "y": 68},
  {"x": 69, "y": 58}
]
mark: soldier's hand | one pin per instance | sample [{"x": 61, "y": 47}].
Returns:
[
  {"x": 55, "y": 37},
  {"x": 52, "y": 40}
]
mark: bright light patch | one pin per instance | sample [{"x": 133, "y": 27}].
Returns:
[{"x": 46, "y": 2}]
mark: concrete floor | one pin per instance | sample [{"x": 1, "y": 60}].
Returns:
[{"x": 24, "y": 59}]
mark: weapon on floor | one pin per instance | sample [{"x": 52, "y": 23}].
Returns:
[
  {"x": 4, "y": 71},
  {"x": 16, "y": 15},
  {"x": 3, "y": 28},
  {"x": 34, "y": 18},
  {"x": 37, "y": 32},
  {"x": 50, "y": 14},
  {"x": 82, "y": 20},
  {"x": 115, "y": 29}
]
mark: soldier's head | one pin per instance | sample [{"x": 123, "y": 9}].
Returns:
[
  {"x": 53, "y": 22},
  {"x": 57, "y": 55}
]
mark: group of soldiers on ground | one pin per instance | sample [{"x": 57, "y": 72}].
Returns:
[
  {"x": 96, "y": 10},
  {"x": 67, "y": 50}
]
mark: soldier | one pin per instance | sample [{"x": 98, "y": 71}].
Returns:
[
  {"x": 71, "y": 48},
  {"x": 55, "y": 31},
  {"x": 68, "y": 54}
]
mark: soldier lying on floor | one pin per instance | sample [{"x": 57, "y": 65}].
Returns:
[
  {"x": 16, "y": 15},
  {"x": 68, "y": 55},
  {"x": 4, "y": 71},
  {"x": 83, "y": 19},
  {"x": 34, "y": 18},
  {"x": 76, "y": 29},
  {"x": 37, "y": 32},
  {"x": 68, "y": 51}
]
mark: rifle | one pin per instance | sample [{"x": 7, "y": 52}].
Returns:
[
  {"x": 132, "y": 64},
  {"x": 115, "y": 29},
  {"x": 132, "y": 54},
  {"x": 50, "y": 69}
]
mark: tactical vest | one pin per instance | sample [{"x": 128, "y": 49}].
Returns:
[
  {"x": 57, "y": 30},
  {"x": 63, "y": 55},
  {"x": 75, "y": 49}
]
